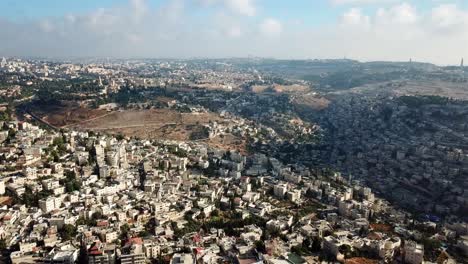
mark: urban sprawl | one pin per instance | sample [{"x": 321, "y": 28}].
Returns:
[{"x": 233, "y": 161}]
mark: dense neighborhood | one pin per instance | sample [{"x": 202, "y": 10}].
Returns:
[{"x": 337, "y": 187}]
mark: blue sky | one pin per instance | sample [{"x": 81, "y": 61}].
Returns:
[
  {"x": 308, "y": 10},
  {"x": 429, "y": 30}
]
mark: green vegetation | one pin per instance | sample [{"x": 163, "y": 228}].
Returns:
[
  {"x": 52, "y": 92},
  {"x": 418, "y": 101},
  {"x": 309, "y": 209},
  {"x": 144, "y": 233},
  {"x": 57, "y": 90},
  {"x": 260, "y": 246},
  {"x": 229, "y": 222},
  {"x": 300, "y": 250},
  {"x": 11, "y": 136},
  {"x": 124, "y": 231},
  {"x": 70, "y": 182},
  {"x": 354, "y": 78},
  {"x": 123, "y": 97},
  {"x": 92, "y": 221},
  {"x": 88, "y": 222},
  {"x": 56, "y": 149},
  {"x": 232, "y": 222},
  {"x": 431, "y": 248},
  {"x": 190, "y": 227},
  {"x": 120, "y": 137},
  {"x": 31, "y": 199},
  {"x": 5, "y": 115},
  {"x": 3, "y": 244},
  {"x": 347, "y": 251},
  {"x": 68, "y": 232},
  {"x": 175, "y": 150}
]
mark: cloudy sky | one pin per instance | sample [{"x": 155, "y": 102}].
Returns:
[{"x": 424, "y": 30}]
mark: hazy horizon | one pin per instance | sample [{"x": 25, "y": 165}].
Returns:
[{"x": 99, "y": 58}]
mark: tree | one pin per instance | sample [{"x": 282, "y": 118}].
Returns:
[
  {"x": 124, "y": 231},
  {"x": 215, "y": 213},
  {"x": 68, "y": 232},
  {"x": 260, "y": 246},
  {"x": 3, "y": 244},
  {"x": 316, "y": 244},
  {"x": 431, "y": 248},
  {"x": 346, "y": 250},
  {"x": 88, "y": 222},
  {"x": 28, "y": 198},
  {"x": 144, "y": 233},
  {"x": 98, "y": 215},
  {"x": 6, "y": 115},
  {"x": 70, "y": 182},
  {"x": 120, "y": 137},
  {"x": 31, "y": 199}
]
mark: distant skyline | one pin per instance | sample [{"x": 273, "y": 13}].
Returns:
[{"x": 433, "y": 31}]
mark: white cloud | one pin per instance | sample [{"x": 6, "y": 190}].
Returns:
[
  {"x": 70, "y": 18},
  {"x": 400, "y": 32},
  {"x": 238, "y": 7},
  {"x": 46, "y": 26},
  {"x": 355, "y": 17},
  {"x": 172, "y": 12},
  {"x": 140, "y": 9},
  {"x": 400, "y": 14},
  {"x": 234, "y": 32},
  {"x": 243, "y": 7},
  {"x": 134, "y": 38},
  {"x": 449, "y": 16},
  {"x": 226, "y": 25},
  {"x": 360, "y": 2},
  {"x": 271, "y": 27}
]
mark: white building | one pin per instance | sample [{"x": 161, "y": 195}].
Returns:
[
  {"x": 414, "y": 253},
  {"x": 66, "y": 256},
  {"x": 111, "y": 236},
  {"x": 280, "y": 190},
  {"x": 183, "y": 259},
  {"x": 294, "y": 196},
  {"x": 47, "y": 205},
  {"x": 30, "y": 173},
  {"x": 2, "y": 187},
  {"x": 151, "y": 249}
]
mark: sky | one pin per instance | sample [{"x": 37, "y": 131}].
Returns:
[{"x": 424, "y": 30}]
